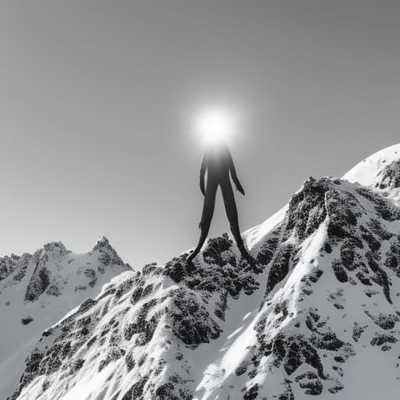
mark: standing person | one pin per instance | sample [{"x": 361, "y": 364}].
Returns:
[{"x": 218, "y": 164}]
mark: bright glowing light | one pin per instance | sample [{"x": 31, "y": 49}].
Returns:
[{"x": 214, "y": 126}]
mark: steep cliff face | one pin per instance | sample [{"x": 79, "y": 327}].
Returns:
[
  {"x": 317, "y": 315},
  {"x": 40, "y": 289}
]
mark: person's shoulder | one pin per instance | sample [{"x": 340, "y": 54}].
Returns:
[{"x": 227, "y": 152}]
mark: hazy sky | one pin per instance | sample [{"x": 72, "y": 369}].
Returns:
[{"x": 94, "y": 99}]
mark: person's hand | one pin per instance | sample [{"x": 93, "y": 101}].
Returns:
[{"x": 240, "y": 189}]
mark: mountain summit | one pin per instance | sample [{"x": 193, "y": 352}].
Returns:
[{"x": 318, "y": 315}]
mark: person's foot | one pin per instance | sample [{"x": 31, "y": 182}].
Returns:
[
  {"x": 191, "y": 256},
  {"x": 248, "y": 257},
  {"x": 190, "y": 265}
]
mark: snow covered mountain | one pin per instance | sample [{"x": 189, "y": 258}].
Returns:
[
  {"x": 37, "y": 290},
  {"x": 318, "y": 315}
]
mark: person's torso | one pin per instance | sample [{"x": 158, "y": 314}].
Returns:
[{"x": 217, "y": 163}]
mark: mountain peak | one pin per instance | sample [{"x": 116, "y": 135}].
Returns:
[
  {"x": 56, "y": 249},
  {"x": 102, "y": 243},
  {"x": 369, "y": 171},
  {"x": 107, "y": 254}
]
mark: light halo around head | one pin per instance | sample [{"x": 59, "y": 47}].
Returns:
[{"x": 214, "y": 126}]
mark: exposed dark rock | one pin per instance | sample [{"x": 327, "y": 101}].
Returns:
[
  {"x": 384, "y": 321},
  {"x": 310, "y": 382},
  {"x": 379, "y": 340},
  {"x": 38, "y": 284},
  {"x": 136, "y": 391},
  {"x": 252, "y": 393},
  {"x": 107, "y": 254},
  {"x": 339, "y": 271},
  {"x": 267, "y": 251},
  {"x": 389, "y": 176},
  {"x": 280, "y": 266},
  {"x": 27, "y": 320},
  {"x": 358, "y": 331}
]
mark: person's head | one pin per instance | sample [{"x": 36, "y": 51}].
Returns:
[{"x": 215, "y": 126}]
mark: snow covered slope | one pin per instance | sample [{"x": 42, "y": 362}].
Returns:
[
  {"x": 318, "y": 315},
  {"x": 375, "y": 170},
  {"x": 381, "y": 171},
  {"x": 37, "y": 290}
]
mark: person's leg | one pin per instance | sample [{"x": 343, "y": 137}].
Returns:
[
  {"x": 208, "y": 211},
  {"x": 232, "y": 214}
]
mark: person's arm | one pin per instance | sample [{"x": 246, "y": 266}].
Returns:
[
  {"x": 202, "y": 173},
  {"x": 235, "y": 179}
]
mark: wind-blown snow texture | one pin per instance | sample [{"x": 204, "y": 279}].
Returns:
[{"x": 317, "y": 316}]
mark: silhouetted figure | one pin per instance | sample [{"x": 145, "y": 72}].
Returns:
[{"x": 219, "y": 164}]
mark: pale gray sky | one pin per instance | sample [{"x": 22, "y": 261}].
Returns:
[{"x": 94, "y": 97}]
